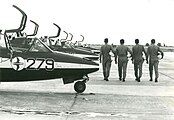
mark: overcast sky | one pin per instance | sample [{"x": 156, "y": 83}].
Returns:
[{"x": 96, "y": 19}]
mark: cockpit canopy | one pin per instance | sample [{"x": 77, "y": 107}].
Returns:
[{"x": 23, "y": 44}]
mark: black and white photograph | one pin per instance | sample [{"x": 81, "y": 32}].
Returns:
[{"x": 87, "y": 60}]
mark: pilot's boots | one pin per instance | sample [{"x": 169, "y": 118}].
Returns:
[
  {"x": 106, "y": 79},
  {"x": 104, "y": 74},
  {"x": 151, "y": 75},
  {"x": 137, "y": 79}
]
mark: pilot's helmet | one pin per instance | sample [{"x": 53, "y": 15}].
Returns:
[
  {"x": 9, "y": 37},
  {"x": 63, "y": 43}
]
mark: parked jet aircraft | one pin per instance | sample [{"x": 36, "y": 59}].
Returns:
[
  {"x": 29, "y": 59},
  {"x": 64, "y": 46},
  {"x": 84, "y": 47}
]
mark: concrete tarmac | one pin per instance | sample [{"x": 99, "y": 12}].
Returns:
[{"x": 102, "y": 100}]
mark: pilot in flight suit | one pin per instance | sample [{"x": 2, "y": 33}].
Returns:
[
  {"x": 137, "y": 55},
  {"x": 152, "y": 52},
  {"x": 105, "y": 58},
  {"x": 122, "y": 52}
]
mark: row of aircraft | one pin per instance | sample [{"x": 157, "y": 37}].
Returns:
[
  {"x": 67, "y": 46},
  {"x": 28, "y": 58}
]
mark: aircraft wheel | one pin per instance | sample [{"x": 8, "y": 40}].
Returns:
[{"x": 79, "y": 86}]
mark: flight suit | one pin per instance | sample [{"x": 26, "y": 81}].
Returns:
[
  {"x": 122, "y": 52},
  {"x": 152, "y": 52},
  {"x": 106, "y": 59},
  {"x": 138, "y": 60}
]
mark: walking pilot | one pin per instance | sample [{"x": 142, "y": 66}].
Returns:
[
  {"x": 138, "y": 59},
  {"x": 105, "y": 58},
  {"x": 152, "y": 52},
  {"x": 122, "y": 52}
]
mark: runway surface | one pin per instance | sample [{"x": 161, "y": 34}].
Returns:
[{"x": 102, "y": 100}]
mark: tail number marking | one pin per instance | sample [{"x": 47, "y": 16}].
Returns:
[{"x": 36, "y": 64}]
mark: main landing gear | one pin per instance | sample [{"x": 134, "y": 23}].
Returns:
[{"x": 80, "y": 86}]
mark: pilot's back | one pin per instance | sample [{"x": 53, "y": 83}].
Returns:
[
  {"x": 122, "y": 51},
  {"x": 105, "y": 50},
  {"x": 138, "y": 51},
  {"x": 153, "y": 52}
]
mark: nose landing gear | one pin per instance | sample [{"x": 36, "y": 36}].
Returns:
[{"x": 80, "y": 86}]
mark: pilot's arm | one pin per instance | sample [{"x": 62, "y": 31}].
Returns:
[
  {"x": 116, "y": 55},
  {"x": 133, "y": 55},
  {"x": 148, "y": 52},
  {"x": 162, "y": 54}
]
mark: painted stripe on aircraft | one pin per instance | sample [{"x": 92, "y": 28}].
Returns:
[{"x": 7, "y": 64}]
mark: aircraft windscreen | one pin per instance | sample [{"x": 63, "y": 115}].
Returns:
[
  {"x": 71, "y": 45},
  {"x": 67, "y": 45},
  {"x": 38, "y": 46},
  {"x": 20, "y": 44},
  {"x": 63, "y": 45}
]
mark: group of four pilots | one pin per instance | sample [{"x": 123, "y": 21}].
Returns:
[{"x": 121, "y": 58}]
